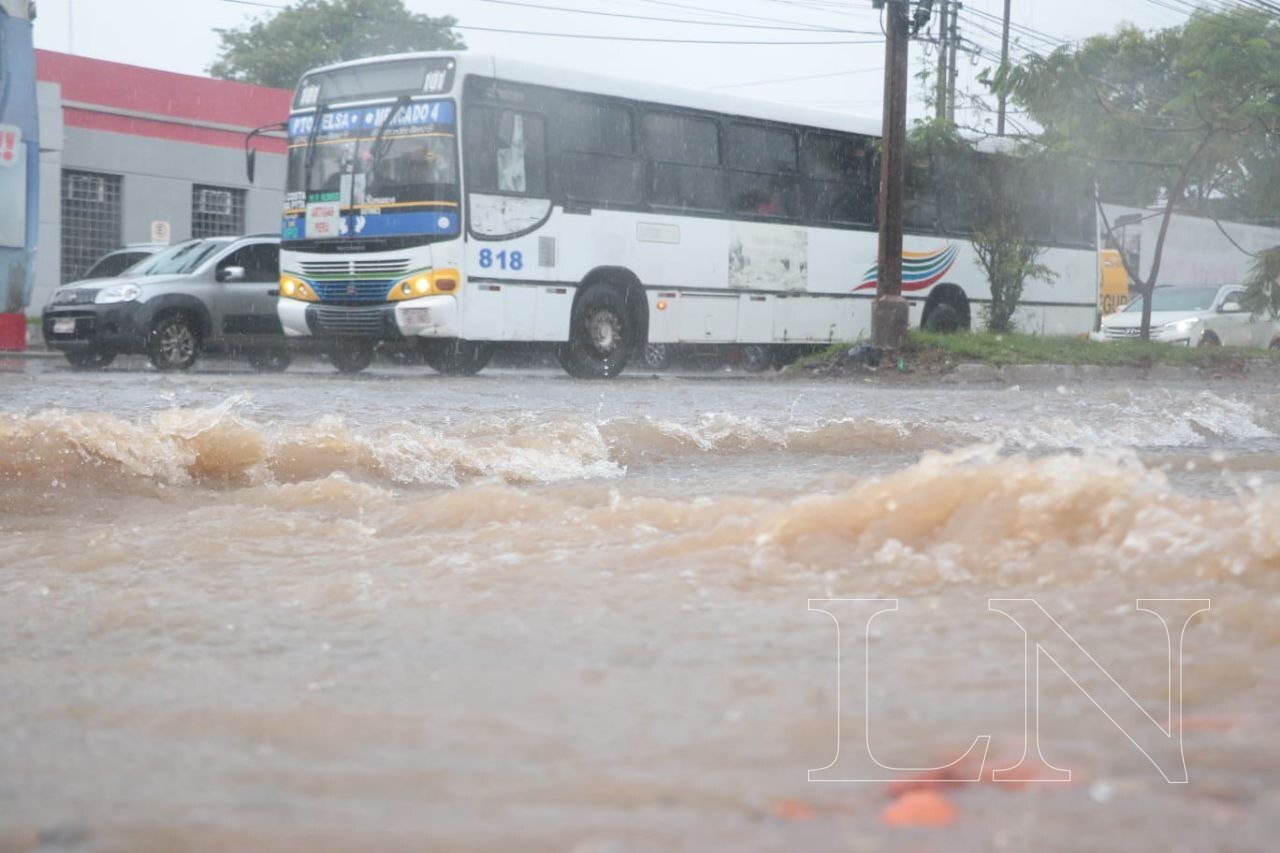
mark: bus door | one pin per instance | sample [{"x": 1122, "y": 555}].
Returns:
[{"x": 512, "y": 261}]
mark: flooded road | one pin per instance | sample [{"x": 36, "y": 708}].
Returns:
[{"x": 517, "y": 611}]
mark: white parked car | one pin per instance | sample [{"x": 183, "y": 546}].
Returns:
[{"x": 1199, "y": 315}]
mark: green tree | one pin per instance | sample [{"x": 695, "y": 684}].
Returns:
[
  {"x": 1263, "y": 294},
  {"x": 1010, "y": 261},
  {"x": 998, "y": 197},
  {"x": 276, "y": 51},
  {"x": 1180, "y": 117}
]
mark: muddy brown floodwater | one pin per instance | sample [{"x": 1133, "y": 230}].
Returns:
[{"x": 400, "y": 611}]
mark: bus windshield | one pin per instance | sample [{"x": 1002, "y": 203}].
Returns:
[{"x": 386, "y": 170}]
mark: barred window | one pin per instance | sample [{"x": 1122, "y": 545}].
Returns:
[
  {"x": 216, "y": 211},
  {"x": 91, "y": 220}
]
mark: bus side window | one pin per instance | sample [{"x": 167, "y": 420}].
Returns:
[
  {"x": 838, "y": 178},
  {"x": 506, "y": 152},
  {"x": 764, "y": 162},
  {"x": 510, "y": 154},
  {"x": 596, "y": 159},
  {"x": 685, "y": 161}
]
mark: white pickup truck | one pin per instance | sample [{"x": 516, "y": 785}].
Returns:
[{"x": 1198, "y": 315}]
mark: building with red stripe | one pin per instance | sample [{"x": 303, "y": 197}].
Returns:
[{"x": 127, "y": 151}]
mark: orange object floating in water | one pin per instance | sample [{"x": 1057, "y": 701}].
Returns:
[
  {"x": 924, "y": 808},
  {"x": 792, "y": 810}
]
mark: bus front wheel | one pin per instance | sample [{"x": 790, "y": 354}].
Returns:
[
  {"x": 351, "y": 356},
  {"x": 600, "y": 334},
  {"x": 456, "y": 357}
]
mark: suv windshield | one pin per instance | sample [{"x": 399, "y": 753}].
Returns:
[
  {"x": 1178, "y": 299},
  {"x": 181, "y": 259}
]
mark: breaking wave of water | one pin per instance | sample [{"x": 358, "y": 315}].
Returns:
[{"x": 221, "y": 447}]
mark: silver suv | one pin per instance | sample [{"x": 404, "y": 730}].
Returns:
[{"x": 215, "y": 295}]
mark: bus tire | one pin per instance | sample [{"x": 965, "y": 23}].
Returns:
[
  {"x": 943, "y": 319},
  {"x": 946, "y": 310},
  {"x": 351, "y": 356},
  {"x": 456, "y": 357},
  {"x": 173, "y": 342},
  {"x": 600, "y": 334}
]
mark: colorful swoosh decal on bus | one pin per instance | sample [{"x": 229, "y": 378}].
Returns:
[{"x": 920, "y": 270}]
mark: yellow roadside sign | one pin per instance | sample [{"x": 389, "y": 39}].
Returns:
[{"x": 1114, "y": 293}]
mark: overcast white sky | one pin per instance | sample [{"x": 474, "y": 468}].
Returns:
[{"x": 178, "y": 36}]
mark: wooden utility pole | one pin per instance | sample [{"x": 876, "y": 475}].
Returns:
[
  {"x": 953, "y": 45},
  {"x": 1004, "y": 66},
  {"x": 943, "y": 77},
  {"x": 889, "y": 314}
]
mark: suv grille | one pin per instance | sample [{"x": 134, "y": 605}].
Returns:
[
  {"x": 386, "y": 266},
  {"x": 352, "y": 291},
  {"x": 80, "y": 296},
  {"x": 1122, "y": 333}
]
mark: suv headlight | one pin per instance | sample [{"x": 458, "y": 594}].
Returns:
[
  {"x": 118, "y": 293},
  {"x": 1180, "y": 326}
]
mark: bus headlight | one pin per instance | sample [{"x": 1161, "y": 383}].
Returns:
[
  {"x": 424, "y": 283},
  {"x": 292, "y": 288},
  {"x": 118, "y": 293}
]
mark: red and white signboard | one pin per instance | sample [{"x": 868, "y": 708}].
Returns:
[
  {"x": 10, "y": 140},
  {"x": 323, "y": 219}
]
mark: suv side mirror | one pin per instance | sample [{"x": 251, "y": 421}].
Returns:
[
  {"x": 1231, "y": 306},
  {"x": 231, "y": 274}
]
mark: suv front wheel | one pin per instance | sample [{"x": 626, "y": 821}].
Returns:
[{"x": 173, "y": 343}]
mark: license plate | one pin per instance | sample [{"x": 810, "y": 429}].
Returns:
[
  {"x": 416, "y": 316},
  {"x": 65, "y": 326}
]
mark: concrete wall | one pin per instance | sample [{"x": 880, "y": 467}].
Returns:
[
  {"x": 157, "y": 176},
  {"x": 49, "y": 233}
]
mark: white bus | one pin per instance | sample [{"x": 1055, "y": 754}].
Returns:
[{"x": 466, "y": 201}]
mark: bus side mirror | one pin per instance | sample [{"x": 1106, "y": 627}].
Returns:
[{"x": 251, "y": 153}]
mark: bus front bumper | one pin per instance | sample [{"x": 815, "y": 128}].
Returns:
[{"x": 429, "y": 316}]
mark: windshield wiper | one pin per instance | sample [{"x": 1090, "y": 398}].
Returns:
[
  {"x": 311, "y": 153},
  {"x": 378, "y": 149}
]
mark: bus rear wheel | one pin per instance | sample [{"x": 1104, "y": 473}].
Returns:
[
  {"x": 600, "y": 334},
  {"x": 456, "y": 357}
]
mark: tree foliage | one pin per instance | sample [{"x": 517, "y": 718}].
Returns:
[
  {"x": 276, "y": 51},
  {"x": 1186, "y": 116},
  {"x": 997, "y": 194},
  {"x": 1263, "y": 293},
  {"x": 1010, "y": 261}
]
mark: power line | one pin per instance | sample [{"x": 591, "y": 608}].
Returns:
[
  {"x": 796, "y": 79},
  {"x": 729, "y": 24},
  {"x": 593, "y": 36}
]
